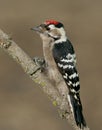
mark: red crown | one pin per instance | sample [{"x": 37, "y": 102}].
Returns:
[{"x": 51, "y": 22}]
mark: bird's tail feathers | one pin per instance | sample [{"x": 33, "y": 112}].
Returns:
[{"x": 76, "y": 109}]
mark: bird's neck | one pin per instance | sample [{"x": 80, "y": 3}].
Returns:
[{"x": 47, "y": 49}]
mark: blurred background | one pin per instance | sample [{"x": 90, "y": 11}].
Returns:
[{"x": 23, "y": 106}]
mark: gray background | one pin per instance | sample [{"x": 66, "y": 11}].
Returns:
[{"x": 23, "y": 106}]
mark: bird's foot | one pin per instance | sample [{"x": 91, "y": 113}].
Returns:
[{"x": 40, "y": 62}]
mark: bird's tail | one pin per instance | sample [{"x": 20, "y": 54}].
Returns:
[{"x": 76, "y": 107}]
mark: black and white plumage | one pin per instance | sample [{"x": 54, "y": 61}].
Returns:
[
  {"x": 59, "y": 54},
  {"x": 66, "y": 62}
]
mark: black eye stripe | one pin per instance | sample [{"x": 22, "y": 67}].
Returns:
[
  {"x": 55, "y": 38},
  {"x": 47, "y": 28}
]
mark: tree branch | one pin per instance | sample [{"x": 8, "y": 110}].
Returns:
[{"x": 55, "y": 92}]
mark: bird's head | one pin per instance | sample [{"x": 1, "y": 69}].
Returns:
[{"x": 51, "y": 29}]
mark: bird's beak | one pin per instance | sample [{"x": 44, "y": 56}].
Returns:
[{"x": 37, "y": 29}]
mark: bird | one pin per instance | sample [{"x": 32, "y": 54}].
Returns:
[{"x": 59, "y": 54}]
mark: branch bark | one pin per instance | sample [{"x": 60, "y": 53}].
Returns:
[{"x": 57, "y": 94}]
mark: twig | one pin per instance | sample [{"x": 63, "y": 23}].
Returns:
[{"x": 57, "y": 96}]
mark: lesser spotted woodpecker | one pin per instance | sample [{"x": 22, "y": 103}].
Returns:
[{"x": 59, "y": 54}]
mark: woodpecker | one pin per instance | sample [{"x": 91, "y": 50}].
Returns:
[{"x": 59, "y": 55}]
